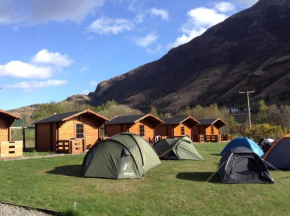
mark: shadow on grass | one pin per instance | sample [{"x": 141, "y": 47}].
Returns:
[
  {"x": 29, "y": 150},
  {"x": 215, "y": 154},
  {"x": 199, "y": 176},
  {"x": 68, "y": 170}
]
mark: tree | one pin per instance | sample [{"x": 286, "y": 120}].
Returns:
[
  {"x": 48, "y": 109},
  {"x": 273, "y": 115},
  {"x": 187, "y": 111},
  {"x": 154, "y": 111},
  {"x": 262, "y": 114},
  {"x": 284, "y": 119}
]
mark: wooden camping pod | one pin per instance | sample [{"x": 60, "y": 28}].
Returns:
[
  {"x": 67, "y": 131},
  {"x": 6, "y": 121},
  {"x": 198, "y": 130},
  {"x": 176, "y": 127},
  {"x": 8, "y": 149},
  {"x": 142, "y": 125},
  {"x": 210, "y": 130}
]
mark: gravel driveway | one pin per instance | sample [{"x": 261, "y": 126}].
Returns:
[{"x": 11, "y": 210}]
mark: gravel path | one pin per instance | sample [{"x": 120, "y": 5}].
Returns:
[
  {"x": 37, "y": 157},
  {"x": 11, "y": 210}
]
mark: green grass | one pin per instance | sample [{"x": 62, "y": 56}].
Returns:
[
  {"x": 173, "y": 188},
  {"x": 35, "y": 153}
]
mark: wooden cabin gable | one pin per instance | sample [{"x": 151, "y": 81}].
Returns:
[
  {"x": 211, "y": 130},
  {"x": 178, "y": 130},
  {"x": 4, "y": 129},
  {"x": 171, "y": 130},
  {"x": 91, "y": 129},
  {"x": 205, "y": 130},
  {"x": 66, "y": 130},
  {"x": 84, "y": 127},
  {"x": 142, "y": 129}
]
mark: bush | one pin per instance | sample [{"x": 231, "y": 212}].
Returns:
[{"x": 265, "y": 131}]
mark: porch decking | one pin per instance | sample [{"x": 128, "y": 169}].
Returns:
[
  {"x": 198, "y": 138},
  {"x": 72, "y": 146}
]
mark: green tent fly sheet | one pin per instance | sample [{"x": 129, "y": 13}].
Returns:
[
  {"x": 177, "y": 149},
  {"x": 125, "y": 155}
]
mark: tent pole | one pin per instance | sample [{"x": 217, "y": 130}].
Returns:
[
  {"x": 275, "y": 168},
  {"x": 215, "y": 172},
  {"x": 165, "y": 153}
]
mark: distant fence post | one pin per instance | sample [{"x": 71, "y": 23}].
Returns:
[{"x": 23, "y": 133}]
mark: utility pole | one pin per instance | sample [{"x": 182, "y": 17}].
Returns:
[{"x": 249, "y": 108}]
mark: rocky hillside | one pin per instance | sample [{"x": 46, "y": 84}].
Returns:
[
  {"x": 28, "y": 111},
  {"x": 250, "y": 50},
  {"x": 24, "y": 111}
]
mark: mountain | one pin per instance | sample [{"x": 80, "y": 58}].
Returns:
[
  {"x": 249, "y": 50},
  {"x": 24, "y": 111}
]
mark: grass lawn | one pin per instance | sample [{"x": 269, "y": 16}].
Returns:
[
  {"x": 173, "y": 188},
  {"x": 35, "y": 153}
]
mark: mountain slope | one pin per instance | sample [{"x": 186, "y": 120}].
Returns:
[{"x": 250, "y": 50}]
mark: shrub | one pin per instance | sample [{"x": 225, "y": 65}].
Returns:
[{"x": 265, "y": 131}]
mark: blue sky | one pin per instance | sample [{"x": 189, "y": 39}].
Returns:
[{"x": 53, "y": 49}]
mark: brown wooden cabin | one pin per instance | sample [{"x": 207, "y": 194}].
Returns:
[
  {"x": 71, "y": 132},
  {"x": 6, "y": 121},
  {"x": 176, "y": 127},
  {"x": 143, "y": 125},
  {"x": 208, "y": 130}
]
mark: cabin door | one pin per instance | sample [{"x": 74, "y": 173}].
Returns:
[
  {"x": 202, "y": 130},
  {"x": 80, "y": 132},
  {"x": 169, "y": 131},
  {"x": 124, "y": 128}
]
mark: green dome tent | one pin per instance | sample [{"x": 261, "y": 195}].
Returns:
[
  {"x": 125, "y": 155},
  {"x": 177, "y": 149}
]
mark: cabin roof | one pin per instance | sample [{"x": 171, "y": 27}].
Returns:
[
  {"x": 179, "y": 120},
  {"x": 10, "y": 114},
  {"x": 206, "y": 121},
  {"x": 66, "y": 116},
  {"x": 217, "y": 122},
  {"x": 132, "y": 119}
]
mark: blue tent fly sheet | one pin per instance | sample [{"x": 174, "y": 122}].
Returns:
[{"x": 244, "y": 142}]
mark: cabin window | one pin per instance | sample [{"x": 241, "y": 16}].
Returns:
[
  {"x": 212, "y": 129},
  {"x": 142, "y": 130},
  {"x": 79, "y": 131},
  {"x": 182, "y": 130}
]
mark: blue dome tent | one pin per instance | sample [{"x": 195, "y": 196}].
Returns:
[{"x": 244, "y": 142}]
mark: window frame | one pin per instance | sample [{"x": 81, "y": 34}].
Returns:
[
  {"x": 142, "y": 130},
  {"x": 80, "y": 133},
  {"x": 182, "y": 130},
  {"x": 212, "y": 130}
]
